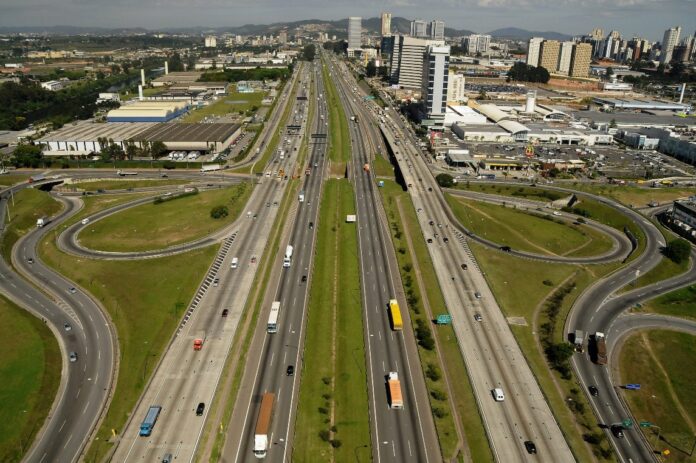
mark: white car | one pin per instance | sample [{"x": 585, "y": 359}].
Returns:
[
  {"x": 85, "y": 221},
  {"x": 498, "y": 394}
]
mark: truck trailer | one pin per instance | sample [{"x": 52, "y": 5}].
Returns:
[
  {"x": 287, "y": 260},
  {"x": 396, "y": 401},
  {"x": 123, "y": 173},
  {"x": 579, "y": 341},
  {"x": 150, "y": 420},
  {"x": 263, "y": 425},
  {"x": 199, "y": 340},
  {"x": 211, "y": 167},
  {"x": 601, "y": 345},
  {"x": 41, "y": 221}
]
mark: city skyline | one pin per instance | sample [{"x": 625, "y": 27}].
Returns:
[{"x": 631, "y": 17}]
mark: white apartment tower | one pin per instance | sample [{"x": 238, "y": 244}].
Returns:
[
  {"x": 210, "y": 41},
  {"x": 419, "y": 28},
  {"x": 407, "y": 60},
  {"x": 564, "y": 57},
  {"x": 533, "y": 51},
  {"x": 354, "y": 31},
  {"x": 435, "y": 77},
  {"x": 437, "y": 29},
  {"x": 456, "y": 88},
  {"x": 669, "y": 41},
  {"x": 386, "y": 24},
  {"x": 477, "y": 43}
]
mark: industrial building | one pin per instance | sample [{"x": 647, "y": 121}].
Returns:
[
  {"x": 148, "y": 111},
  {"x": 81, "y": 139},
  {"x": 642, "y": 105},
  {"x": 684, "y": 213},
  {"x": 176, "y": 78}
]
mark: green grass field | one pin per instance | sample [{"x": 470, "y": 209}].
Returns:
[
  {"x": 679, "y": 303},
  {"x": 156, "y": 226},
  {"x": 662, "y": 271},
  {"x": 156, "y": 290},
  {"x": 382, "y": 168},
  {"x": 235, "y": 103},
  {"x": 635, "y": 196},
  {"x": 340, "y": 147},
  {"x": 29, "y": 204},
  {"x": 656, "y": 360},
  {"x": 531, "y": 231},
  {"x": 463, "y": 398},
  {"x": 30, "y": 368},
  {"x": 11, "y": 179},
  {"x": 333, "y": 373},
  {"x": 124, "y": 184},
  {"x": 521, "y": 297}
]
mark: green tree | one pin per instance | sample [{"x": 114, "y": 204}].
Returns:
[
  {"x": 445, "y": 180},
  {"x": 157, "y": 149},
  {"x": 308, "y": 52},
  {"x": 219, "y": 212},
  {"x": 26, "y": 155},
  {"x": 371, "y": 69},
  {"x": 677, "y": 250}
]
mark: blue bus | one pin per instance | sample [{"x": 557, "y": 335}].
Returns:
[{"x": 150, "y": 420}]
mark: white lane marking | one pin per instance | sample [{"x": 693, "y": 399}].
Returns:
[
  {"x": 61, "y": 426},
  {"x": 272, "y": 356},
  {"x": 67, "y": 441},
  {"x": 85, "y": 409}
]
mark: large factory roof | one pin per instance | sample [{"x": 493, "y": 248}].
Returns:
[
  {"x": 630, "y": 103},
  {"x": 637, "y": 119},
  {"x": 493, "y": 112},
  {"x": 116, "y": 131},
  {"x": 179, "y": 132},
  {"x": 148, "y": 111},
  {"x": 179, "y": 77}
]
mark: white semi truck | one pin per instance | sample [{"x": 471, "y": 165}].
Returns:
[{"x": 287, "y": 260}]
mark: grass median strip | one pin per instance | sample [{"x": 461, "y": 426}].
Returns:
[
  {"x": 656, "y": 360},
  {"x": 404, "y": 228},
  {"x": 121, "y": 184},
  {"x": 156, "y": 290},
  {"x": 332, "y": 418},
  {"x": 30, "y": 365},
  {"x": 156, "y": 226},
  {"x": 339, "y": 147}
]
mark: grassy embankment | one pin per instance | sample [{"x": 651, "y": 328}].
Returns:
[
  {"x": 506, "y": 225},
  {"x": 154, "y": 226},
  {"x": 634, "y": 196},
  {"x": 11, "y": 179},
  {"x": 234, "y": 103},
  {"x": 656, "y": 360},
  {"x": 30, "y": 368},
  {"x": 339, "y": 145},
  {"x": 678, "y": 303},
  {"x": 29, "y": 204},
  {"x": 405, "y": 230},
  {"x": 332, "y": 417},
  {"x": 122, "y": 184},
  {"x": 156, "y": 290}
]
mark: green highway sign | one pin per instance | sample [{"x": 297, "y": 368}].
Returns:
[
  {"x": 628, "y": 423},
  {"x": 645, "y": 424},
  {"x": 444, "y": 319}
]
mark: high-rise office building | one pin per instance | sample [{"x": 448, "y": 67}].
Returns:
[
  {"x": 435, "y": 80},
  {"x": 477, "y": 43},
  {"x": 564, "y": 57},
  {"x": 354, "y": 31},
  {"x": 580, "y": 60},
  {"x": 386, "y": 24},
  {"x": 407, "y": 60},
  {"x": 210, "y": 41},
  {"x": 597, "y": 34},
  {"x": 548, "y": 55},
  {"x": 419, "y": 28},
  {"x": 456, "y": 88},
  {"x": 437, "y": 29},
  {"x": 669, "y": 41},
  {"x": 533, "y": 50},
  {"x": 283, "y": 36}
]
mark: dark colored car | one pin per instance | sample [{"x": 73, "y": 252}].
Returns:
[
  {"x": 291, "y": 370},
  {"x": 430, "y": 240},
  {"x": 200, "y": 409},
  {"x": 304, "y": 278},
  {"x": 445, "y": 239},
  {"x": 464, "y": 266},
  {"x": 225, "y": 312},
  {"x": 311, "y": 225},
  {"x": 593, "y": 391},
  {"x": 617, "y": 431},
  {"x": 529, "y": 445},
  {"x": 431, "y": 222},
  {"x": 505, "y": 248}
]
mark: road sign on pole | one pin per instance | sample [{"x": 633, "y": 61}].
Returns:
[
  {"x": 645, "y": 424},
  {"x": 444, "y": 319},
  {"x": 627, "y": 423}
]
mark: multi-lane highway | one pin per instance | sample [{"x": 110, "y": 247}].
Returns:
[
  {"x": 397, "y": 435},
  {"x": 272, "y": 353},
  {"x": 80, "y": 326},
  {"x": 186, "y": 377},
  {"x": 492, "y": 356}
]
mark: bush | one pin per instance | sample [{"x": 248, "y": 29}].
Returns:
[
  {"x": 336, "y": 443},
  {"x": 324, "y": 435},
  {"x": 323, "y": 410},
  {"x": 438, "y": 394},
  {"x": 326, "y": 380},
  {"x": 433, "y": 372},
  {"x": 547, "y": 283},
  {"x": 445, "y": 180},
  {"x": 439, "y": 412},
  {"x": 169, "y": 165},
  {"x": 677, "y": 250},
  {"x": 219, "y": 212}
]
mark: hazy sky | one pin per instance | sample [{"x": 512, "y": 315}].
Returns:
[{"x": 641, "y": 17}]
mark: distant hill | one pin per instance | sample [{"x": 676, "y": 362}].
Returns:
[
  {"x": 73, "y": 30},
  {"x": 523, "y": 34}
]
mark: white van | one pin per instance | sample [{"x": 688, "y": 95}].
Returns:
[
  {"x": 235, "y": 262},
  {"x": 498, "y": 394}
]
